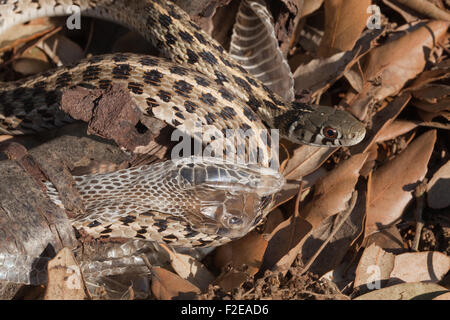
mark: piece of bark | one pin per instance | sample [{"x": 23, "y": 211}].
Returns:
[
  {"x": 29, "y": 222},
  {"x": 110, "y": 113}
]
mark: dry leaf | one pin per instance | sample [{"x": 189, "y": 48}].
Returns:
[
  {"x": 317, "y": 73},
  {"x": 436, "y": 107},
  {"x": 444, "y": 296},
  {"x": 406, "y": 291},
  {"x": 325, "y": 247},
  {"x": 190, "y": 269},
  {"x": 62, "y": 50},
  {"x": 374, "y": 268},
  {"x": 380, "y": 121},
  {"x": 333, "y": 192},
  {"x": 405, "y": 14},
  {"x": 392, "y": 184},
  {"x": 331, "y": 196},
  {"x": 310, "y": 6},
  {"x": 248, "y": 251},
  {"x": 320, "y": 73},
  {"x": 427, "y": 8},
  {"x": 305, "y": 160},
  {"x": 344, "y": 22},
  {"x": 420, "y": 266},
  {"x": 388, "y": 67},
  {"x": 285, "y": 243},
  {"x": 231, "y": 279},
  {"x": 169, "y": 286},
  {"x": 394, "y": 129},
  {"x": 440, "y": 71},
  {"x": 438, "y": 188},
  {"x": 432, "y": 93},
  {"x": 389, "y": 238},
  {"x": 64, "y": 278},
  {"x": 32, "y": 61}
]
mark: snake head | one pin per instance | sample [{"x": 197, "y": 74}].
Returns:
[
  {"x": 231, "y": 198},
  {"x": 235, "y": 215},
  {"x": 324, "y": 126}
]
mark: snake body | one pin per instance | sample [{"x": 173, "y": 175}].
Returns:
[{"x": 200, "y": 83}]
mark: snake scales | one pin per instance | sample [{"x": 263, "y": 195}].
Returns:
[{"x": 200, "y": 83}]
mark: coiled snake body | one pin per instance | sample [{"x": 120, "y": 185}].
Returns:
[{"x": 200, "y": 84}]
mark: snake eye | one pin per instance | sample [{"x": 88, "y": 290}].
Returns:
[
  {"x": 330, "y": 132},
  {"x": 234, "y": 221}
]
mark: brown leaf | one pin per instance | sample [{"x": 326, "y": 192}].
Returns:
[
  {"x": 190, "y": 269},
  {"x": 389, "y": 238},
  {"x": 394, "y": 129},
  {"x": 332, "y": 193},
  {"x": 420, "y": 266},
  {"x": 331, "y": 196},
  {"x": 438, "y": 188},
  {"x": 404, "y": 13},
  {"x": 380, "y": 121},
  {"x": 427, "y": 8},
  {"x": 318, "y": 74},
  {"x": 394, "y": 63},
  {"x": 248, "y": 251},
  {"x": 310, "y": 6},
  {"x": 285, "y": 243},
  {"x": 32, "y": 61},
  {"x": 432, "y": 93},
  {"x": 444, "y": 296},
  {"x": 326, "y": 245},
  {"x": 231, "y": 279},
  {"x": 434, "y": 107},
  {"x": 374, "y": 268},
  {"x": 440, "y": 71},
  {"x": 392, "y": 185},
  {"x": 62, "y": 50},
  {"x": 406, "y": 291},
  {"x": 344, "y": 22},
  {"x": 64, "y": 278},
  {"x": 305, "y": 160},
  {"x": 169, "y": 286}
]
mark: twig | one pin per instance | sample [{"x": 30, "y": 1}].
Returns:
[
  {"x": 147, "y": 263},
  {"x": 419, "y": 194},
  {"x": 26, "y": 47}
]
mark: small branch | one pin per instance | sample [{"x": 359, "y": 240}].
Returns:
[{"x": 419, "y": 194}]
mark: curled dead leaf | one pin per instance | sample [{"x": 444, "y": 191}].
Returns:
[
  {"x": 420, "y": 266},
  {"x": 332, "y": 192},
  {"x": 392, "y": 185},
  {"x": 190, "y": 269},
  {"x": 388, "y": 67},
  {"x": 344, "y": 22},
  {"x": 169, "y": 286}
]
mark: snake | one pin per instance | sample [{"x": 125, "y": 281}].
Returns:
[{"x": 183, "y": 202}]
